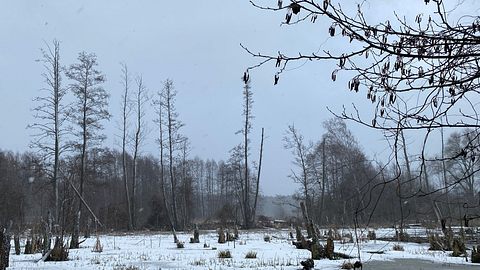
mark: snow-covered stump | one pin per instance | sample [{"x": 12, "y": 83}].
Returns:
[{"x": 4, "y": 249}]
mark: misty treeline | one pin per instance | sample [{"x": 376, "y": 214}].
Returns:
[
  {"x": 342, "y": 186},
  {"x": 71, "y": 181},
  {"x": 207, "y": 190}
]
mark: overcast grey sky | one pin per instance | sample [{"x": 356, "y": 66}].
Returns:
[{"x": 196, "y": 44}]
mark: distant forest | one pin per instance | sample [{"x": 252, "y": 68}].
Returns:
[{"x": 71, "y": 179}]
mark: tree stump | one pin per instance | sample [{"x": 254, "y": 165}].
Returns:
[
  {"x": 59, "y": 251},
  {"x": 308, "y": 264},
  {"x": 329, "y": 249},
  {"x": 476, "y": 254},
  {"x": 235, "y": 232},
  {"x": 221, "y": 236},
  {"x": 299, "y": 235},
  {"x": 196, "y": 236},
  {"x": 16, "y": 242},
  {"x": 28, "y": 247},
  {"x": 4, "y": 249},
  {"x": 175, "y": 239}
]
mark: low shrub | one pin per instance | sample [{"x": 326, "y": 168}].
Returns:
[
  {"x": 251, "y": 255},
  {"x": 398, "y": 247},
  {"x": 224, "y": 254}
]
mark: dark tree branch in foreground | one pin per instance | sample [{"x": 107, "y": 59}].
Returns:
[
  {"x": 418, "y": 76},
  {"x": 432, "y": 59}
]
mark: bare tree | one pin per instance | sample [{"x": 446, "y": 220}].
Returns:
[
  {"x": 87, "y": 113},
  {"x": 294, "y": 141},
  {"x": 141, "y": 98},
  {"x": 126, "y": 110},
  {"x": 50, "y": 114},
  {"x": 247, "y": 127},
  {"x": 172, "y": 125}
]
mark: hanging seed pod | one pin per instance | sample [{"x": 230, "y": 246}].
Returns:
[
  {"x": 331, "y": 30},
  {"x": 418, "y": 19},
  {"x": 435, "y": 102},
  {"x": 431, "y": 80},
  {"x": 356, "y": 83},
  {"x": 325, "y": 4},
  {"x": 374, "y": 122},
  {"x": 382, "y": 112},
  {"x": 382, "y": 102},
  {"x": 276, "y": 78},
  {"x": 420, "y": 72},
  {"x": 246, "y": 77},
  {"x": 392, "y": 98},
  {"x": 374, "y": 97},
  {"x": 314, "y": 18},
  {"x": 342, "y": 62},
  {"x": 366, "y": 54},
  {"x": 288, "y": 17},
  {"x": 280, "y": 3},
  {"x": 334, "y": 75},
  {"x": 279, "y": 61}
]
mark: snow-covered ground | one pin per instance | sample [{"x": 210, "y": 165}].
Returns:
[{"x": 158, "y": 251}]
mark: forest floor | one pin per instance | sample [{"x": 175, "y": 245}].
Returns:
[{"x": 149, "y": 250}]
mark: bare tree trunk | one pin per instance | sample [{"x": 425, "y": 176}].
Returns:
[
  {"x": 170, "y": 159},
  {"x": 50, "y": 112},
  {"x": 74, "y": 243},
  {"x": 444, "y": 174},
  {"x": 4, "y": 249},
  {"x": 160, "y": 121},
  {"x": 57, "y": 97},
  {"x": 125, "y": 110},
  {"x": 246, "y": 198},
  {"x": 324, "y": 180},
  {"x": 258, "y": 180}
]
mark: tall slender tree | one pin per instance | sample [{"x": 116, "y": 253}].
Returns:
[
  {"x": 50, "y": 116},
  {"x": 172, "y": 126},
  {"x": 141, "y": 99},
  {"x": 126, "y": 110},
  {"x": 247, "y": 128},
  {"x": 87, "y": 113}
]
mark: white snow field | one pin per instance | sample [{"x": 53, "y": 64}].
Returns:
[{"x": 158, "y": 251}]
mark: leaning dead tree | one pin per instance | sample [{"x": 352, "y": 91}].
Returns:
[{"x": 419, "y": 73}]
